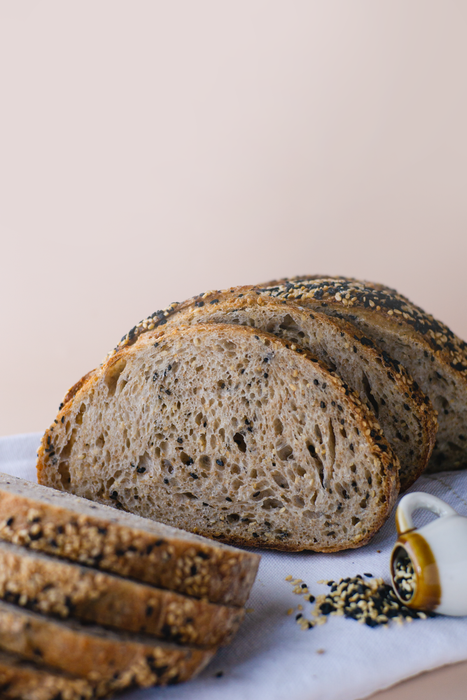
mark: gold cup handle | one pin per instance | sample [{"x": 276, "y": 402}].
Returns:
[{"x": 414, "y": 501}]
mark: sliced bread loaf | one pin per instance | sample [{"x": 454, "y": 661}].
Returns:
[
  {"x": 434, "y": 356},
  {"x": 108, "y": 660},
  {"x": 403, "y": 411},
  {"x": 25, "y": 680},
  {"x": 96, "y": 535},
  {"x": 57, "y": 587},
  {"x": 229, "y": 432}
]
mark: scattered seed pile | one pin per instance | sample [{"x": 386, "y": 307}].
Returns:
[
  {"x": 371, "y": 602},
  {"x": 404, "y": 576}
]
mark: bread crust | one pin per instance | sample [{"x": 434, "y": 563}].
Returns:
[
  {"x": 108, "y": 660},
  {"x": 59, "y": 588},
  {"x": 66, "y": 526},
  {"x": 385, "y": 309},
  {"x": 415, "y": 401},
  {"x": 23, "y": 680},
  {"x": 380, "y": 448}
]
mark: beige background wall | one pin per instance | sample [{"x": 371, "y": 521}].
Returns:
[{"x": 152, "y": 150}]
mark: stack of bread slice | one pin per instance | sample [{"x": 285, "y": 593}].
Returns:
[
  {"x": 93, "y": 601},
  {"x": 287, "y": 415}
]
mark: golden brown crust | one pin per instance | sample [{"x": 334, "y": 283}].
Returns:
[
  {"x": 384, "y": 305},
  {"x": 60, "y": 588},
  {"x": 76, "y": 387},
  {"x": 379, "y": 447},
  {"x": 98, "y": 541},
  {"x": 108, "y": 660},
  {"x": 243, "y": 297},
  {"x": 23, "y": 680}
]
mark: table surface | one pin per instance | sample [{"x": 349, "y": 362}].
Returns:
[{"x": 152, "y": 151}]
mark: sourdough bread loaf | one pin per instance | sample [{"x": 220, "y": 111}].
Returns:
[
  {"x": 96, "y": 535},
  {"x": 110, "y": 661},
  {"x": 403, "y": 411},
  {"x": 56, "y": 587},
  {"x": 434, "y": 356},
  {"x": 25, "y": 680},
  {"x": 230, "y": 432}
]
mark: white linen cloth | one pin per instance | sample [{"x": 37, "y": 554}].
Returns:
[{"x": 271, "y": 658}]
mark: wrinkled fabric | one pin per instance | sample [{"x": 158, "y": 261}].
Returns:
[{"x": 271, "y": 658}]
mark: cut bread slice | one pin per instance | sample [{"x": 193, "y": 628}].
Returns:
[
  {"x": 229, "y": 432},
  {"x": 403, "y": 411},
  {"x": 96, "y": 535},
  {"x": 25, "y": 680},
  {"x": 56, "y": 587},
  {"x": 434, "y": 356},
  {"x": 108, "y": 660}
]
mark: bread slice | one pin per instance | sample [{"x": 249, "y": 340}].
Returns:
[
  {"x": 230, "y": 432},
  {"x": 403, "y": 411},
  {"x": 434, "y": 356},
  {"x": 56, "y": 587},
  {"x": 96, "y": 535},
  {"x": 25, "y": 680},
  {"x": 108, "y": 660}
]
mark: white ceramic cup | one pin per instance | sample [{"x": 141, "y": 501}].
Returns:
[{"x": 438, "y": 552}]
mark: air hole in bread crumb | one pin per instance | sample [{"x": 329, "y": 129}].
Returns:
[
  {"x": 278, "y": 427},
  {"x": 233, "y": 518},
  {"x": 205, "y": 462},
  {"x": 284, "y": 452},
  {"x": 79, "y": 416},
  {"x": 113, "y": 374},
  {"x": 355, "y": 520},
  {"x": 64, "y": 473},
  {"x": 235, "y": 469},
  {"x": 280, "y": 480},
  {"x": 310, "y": 515},
  {"x": 331, "y": 443},
  {"x": 167, "y": 465},
  {"x": 239, "y": 440},
  {"x": 298, "y": 501},
  {"x": 288, "y": 324},
  {"x": 371, "y": 399},
  {"x": 271, "y": 503}
]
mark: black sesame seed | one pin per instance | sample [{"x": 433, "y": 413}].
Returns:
[{"x": 219, "y": 462}]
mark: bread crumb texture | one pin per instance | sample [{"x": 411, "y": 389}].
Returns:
[{"x": 230, "y": 432}]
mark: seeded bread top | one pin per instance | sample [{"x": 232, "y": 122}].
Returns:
[
  {"x": 97, "y": 535},
  {"x": 396, "y": 310}
]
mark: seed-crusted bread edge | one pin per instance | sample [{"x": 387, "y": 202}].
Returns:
[
  {"x": 57, "y": 587},
  {"x": 97, "y": 535},
  {"x": 369, "y": 425},
  {"x": 111, "y": 661},
  {"x": 415, "y": 400}
]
